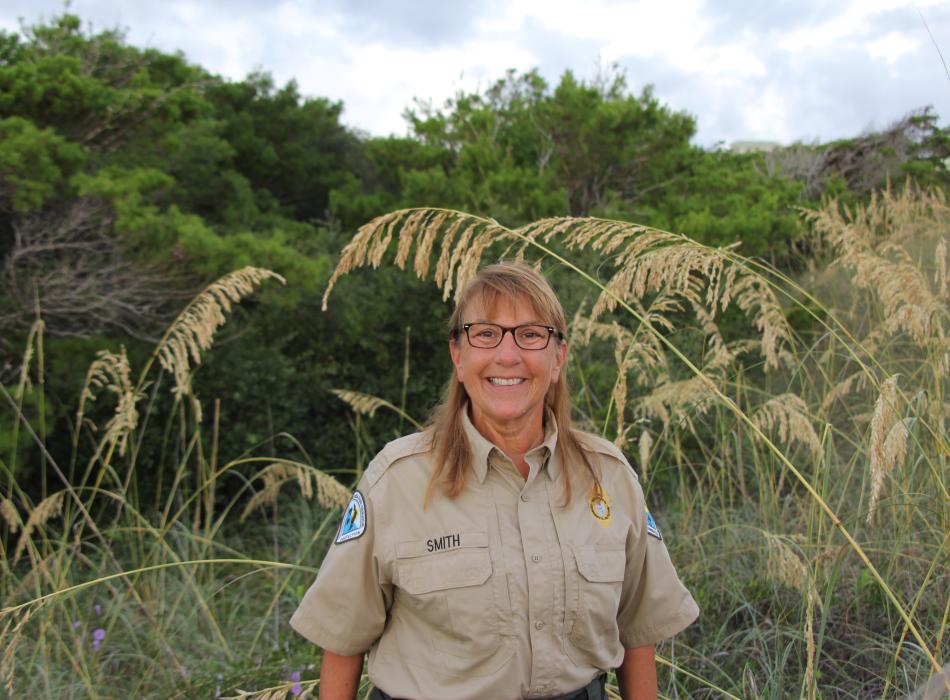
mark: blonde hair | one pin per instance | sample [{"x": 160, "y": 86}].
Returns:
[{"x": 495, "y": 284}]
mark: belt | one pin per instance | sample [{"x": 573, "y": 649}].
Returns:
[{"x": 595, "y": 690}]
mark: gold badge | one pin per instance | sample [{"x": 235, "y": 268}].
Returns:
[{"x": 600, "y": 505}]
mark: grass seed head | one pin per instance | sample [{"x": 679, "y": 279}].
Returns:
[
  {"x": 47, "y": 509},
  {"x": 10, "y": 515},
  {"x": 193, "y": 331},
  {"x": 882, "y": 457}
]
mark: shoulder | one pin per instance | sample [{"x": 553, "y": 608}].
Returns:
[
  {"x": 395, "y": 451},
  {"x": 595, "y": 444},
  {"x": 609, "y": 460}
]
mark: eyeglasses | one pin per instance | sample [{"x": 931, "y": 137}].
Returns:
[{"x": 530, "y": 336}]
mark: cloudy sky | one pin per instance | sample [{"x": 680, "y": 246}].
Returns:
[{"x": 779, "y": 71}]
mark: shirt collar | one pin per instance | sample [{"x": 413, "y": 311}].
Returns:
[{"x": 482, "y": 448}]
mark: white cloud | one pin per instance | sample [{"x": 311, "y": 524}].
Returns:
[
  {"x": 891, "y": 47},
  {"x": 776, "y": 71}
]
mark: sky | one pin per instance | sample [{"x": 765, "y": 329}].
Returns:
[{"x": 810, "y": 70}]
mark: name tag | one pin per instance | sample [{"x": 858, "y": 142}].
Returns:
[
  {"x": 437, "y": 544},
  {"x": 441, "y": 542}
]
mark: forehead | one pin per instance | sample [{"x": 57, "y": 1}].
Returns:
[{"x": 491, "y": 307}]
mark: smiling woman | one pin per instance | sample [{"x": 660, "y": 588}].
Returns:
[{"x": 500, "y": 553}]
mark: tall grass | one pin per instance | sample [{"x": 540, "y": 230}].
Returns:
[
  {"x": 790, "y": 433},
  {"x": 772, "y": 454},
  {"x": 105, "y": 594}
]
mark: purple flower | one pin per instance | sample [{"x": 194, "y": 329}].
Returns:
[
  {"x": 98, "y": 635},
  {"x": 296, "y": 689},
  {"x": 98, "y": 609},
  {"x": 76, "y": 625}
]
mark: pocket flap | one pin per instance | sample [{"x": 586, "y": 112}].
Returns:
[
  {"x": 438, "y": 572},
  {"x": 601, "y": 563}
]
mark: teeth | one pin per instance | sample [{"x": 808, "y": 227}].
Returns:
[{"x": 499, "y": 381}]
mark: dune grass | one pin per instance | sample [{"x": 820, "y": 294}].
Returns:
[{"x": 790, "y": 434}]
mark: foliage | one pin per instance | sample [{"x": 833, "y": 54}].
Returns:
[{"x": 782, "y": 380}]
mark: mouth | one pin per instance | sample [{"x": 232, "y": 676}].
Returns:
[{"x": 505, "y": 381}]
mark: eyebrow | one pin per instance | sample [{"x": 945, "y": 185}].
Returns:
[{"x": 495, "y": 323}]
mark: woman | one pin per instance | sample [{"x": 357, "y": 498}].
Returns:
[{"x": 499, "y": 554}]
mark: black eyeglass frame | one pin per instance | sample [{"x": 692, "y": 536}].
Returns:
[{"x": 552, "y": 333}]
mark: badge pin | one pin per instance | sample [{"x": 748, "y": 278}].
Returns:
[
  {"x": 354, "y": 519},
  {"x": 600, "y": 505}
]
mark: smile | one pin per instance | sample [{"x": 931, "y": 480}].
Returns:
[{"x": 503, "y": 381}]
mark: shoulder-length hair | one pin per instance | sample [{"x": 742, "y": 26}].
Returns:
[{"x": 493, "y": 285}]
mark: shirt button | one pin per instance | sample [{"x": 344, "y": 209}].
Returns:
[
  {"x": 524, "y": 497},
  {"x": 535, "y": 558},
  {"x": 539, "y": 625}
]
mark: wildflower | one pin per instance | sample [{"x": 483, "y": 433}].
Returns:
[
  {"x": 76, "y": 625},
  {"x": 98, "y": 635},
  {"x": 98, "y": 609},
  {"x": 296, "y": 689}
]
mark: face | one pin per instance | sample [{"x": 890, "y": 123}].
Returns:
[{"x": 506, "y": 385}]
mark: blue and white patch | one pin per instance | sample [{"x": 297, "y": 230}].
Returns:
[
  {"x": 354, "y": 519},
  {"x": 652, "y": 528}
]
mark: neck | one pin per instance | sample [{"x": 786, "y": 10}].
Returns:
[{"x": 514, "y": 438}]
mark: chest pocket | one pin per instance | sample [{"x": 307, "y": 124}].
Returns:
[
  {"x": 449, "y": 605},
  {"x": 597, "y": 583}
]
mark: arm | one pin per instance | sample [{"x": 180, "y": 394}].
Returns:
[
  {"x": 340, "y": 676},
  {"x": 637, "y": 674}
]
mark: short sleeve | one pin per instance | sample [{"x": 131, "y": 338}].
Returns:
[
  {"x": 345, "y": 608},
  {"x": 655, "y": 605}
]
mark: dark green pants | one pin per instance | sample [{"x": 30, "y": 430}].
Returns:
[{"x": 595, "y": 690}]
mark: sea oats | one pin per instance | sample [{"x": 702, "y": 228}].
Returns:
[
  {"x": 36, "y": 332},
  {"x": 850, "y": 383},
  {"x": 194, "y": 328},
  {"x": 882, "y": 421},
  {"x": 274, "y": 476},
  {"x": 675, "y": 402},
  {"x": 787, "y": 415},
  {"x": 784, "y": 565},
  {"x": 941, "y": 278},
  {"x": 330, "y": 492},
  {"x": 10, "y": 515},
  {"x": 427, "y": 241},
  {"x": 879, "y": 244},
  {"x": 647, "y": 261},
  {"x": 111, "y": 371},
  {"x": 47, "y": 509},
  {"x": 620, "y": 393},
  {"x": 442, "y": 269},
  {"x": 364, "y": 404},
  {"x": 355, "y": 253},
  {"x": 407, "y": 234},
  {"x": 893, "y": 452},
  {"x": 11, "y": 633},
  {"x": 645, "y": 445}
]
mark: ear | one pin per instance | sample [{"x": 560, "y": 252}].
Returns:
[
  {"x": 559, "y": 359},
  {"x": 456, "y": 354}
]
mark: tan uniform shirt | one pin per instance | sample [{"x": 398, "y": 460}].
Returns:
[{"x": 501, "y": 592}]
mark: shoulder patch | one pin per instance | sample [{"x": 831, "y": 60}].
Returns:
[
  {"x": 354, "y": 520},
  {"x": 394, "y": 451},
  {"x": 652, "y": 528}
]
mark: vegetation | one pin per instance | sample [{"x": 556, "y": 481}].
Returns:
[{"x": 172, "y": 470}]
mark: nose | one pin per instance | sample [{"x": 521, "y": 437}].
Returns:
[{"x": 508, "y": 349}]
